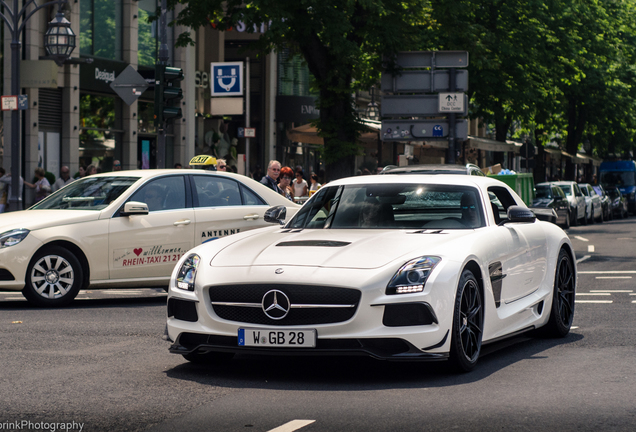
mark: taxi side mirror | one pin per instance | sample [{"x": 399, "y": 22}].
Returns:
[{"x": 135, "y": 208}]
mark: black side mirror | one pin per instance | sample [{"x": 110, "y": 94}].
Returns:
[
  {"x": 276, "y": 214},
  {"x": 519, "y": 214}
]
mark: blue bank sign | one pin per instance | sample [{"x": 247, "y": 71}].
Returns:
[{"x": 226, "y": 79}]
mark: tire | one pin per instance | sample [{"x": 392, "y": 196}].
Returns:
[
  {"x": 208, "y": 358},
  {"x": 468, "y": 324},
  {"x": 601, "y": 218},
  {"x": 566, "y": 225},
  {"x": 562, "y": 308},
  {"x": 54, "y": 277},
  {"x": 590, "y": 220},
  {"x": 585, "y": 220},
  {"x": 575, "y": 219}
]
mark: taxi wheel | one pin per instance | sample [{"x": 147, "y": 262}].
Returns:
[{"x": 54, "y": 277}]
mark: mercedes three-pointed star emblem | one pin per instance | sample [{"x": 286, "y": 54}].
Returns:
[{"x": 275, "y": 304}]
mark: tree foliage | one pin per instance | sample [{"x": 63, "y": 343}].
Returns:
[{"x": 342, "y": 41}]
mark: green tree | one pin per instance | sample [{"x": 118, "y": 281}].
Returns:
[{"x": 342, "y": 41}]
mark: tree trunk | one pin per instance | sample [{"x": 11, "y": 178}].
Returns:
[{"x": 577, "y": 119}]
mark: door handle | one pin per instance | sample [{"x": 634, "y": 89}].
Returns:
[
  {"x": 252, "y": 217},
  {"x": 182, "y": 222}
]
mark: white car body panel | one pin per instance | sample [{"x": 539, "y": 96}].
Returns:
[{"x": 527, "y": 252}]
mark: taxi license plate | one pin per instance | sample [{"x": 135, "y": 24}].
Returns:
[{"x": 302, "y": 338}]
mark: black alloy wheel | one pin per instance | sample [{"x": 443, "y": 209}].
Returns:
[
  {"x": 562, "y": 310},
  {"x": 468, "y": 324}
]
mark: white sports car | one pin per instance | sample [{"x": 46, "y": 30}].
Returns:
[
  {"x": 396, "y": 267},
  {"x": 124, "y": 229}
]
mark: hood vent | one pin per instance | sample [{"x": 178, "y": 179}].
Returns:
[{"x": 312, "y": 243}]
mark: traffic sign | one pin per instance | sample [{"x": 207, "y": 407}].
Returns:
[
  {"x": 413, "y": 130},
  {"x": 129, "y": 85},
  {"x": 23, "y": 102},
  {"x": 9, "y": 103},
  {"x": 418, "y": 105},
  {"x": 420, "y": 81},
  {"x": 452, "y": 103},
  {"x": 226, "y": 79}
]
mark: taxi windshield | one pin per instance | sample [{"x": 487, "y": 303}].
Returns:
[
  {"x": 89, "y": 193},
  {"x": 392, "y": 206}
]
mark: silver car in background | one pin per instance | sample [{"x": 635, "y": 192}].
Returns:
[
  {"x": 593, "y": 204},
  {"x": 576, "y": 199}
]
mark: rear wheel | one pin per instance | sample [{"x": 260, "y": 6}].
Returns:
[
  {"x": 562, "y": 310},
  {"x": 54, "y": 277},
  {"x": 468, "y": 323}
]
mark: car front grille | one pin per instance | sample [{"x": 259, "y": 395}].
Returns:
[{"x": 308, "y": 304}]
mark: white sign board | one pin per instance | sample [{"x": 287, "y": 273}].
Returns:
[
  {"x": 226, "y": 106},
  {"x": 451, "y": 102},
  {"x": 250, "y": 132},
  {"x": 9, "y": 103}
]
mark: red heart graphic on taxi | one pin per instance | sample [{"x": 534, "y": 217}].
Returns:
[{"x": 137, "y": 251}]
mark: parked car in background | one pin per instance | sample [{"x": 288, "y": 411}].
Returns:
[
  {"x": 577, "y": 201},
  {"x": 468, "y": 169},
  {"x": 618, "y": 202},
  {"x": 605, "y": 201},
  {"x": 593, "y": 206},
  {"x": 549, "y": 195}
]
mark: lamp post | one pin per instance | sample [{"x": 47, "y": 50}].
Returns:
[{"x": 59, "y": 42}]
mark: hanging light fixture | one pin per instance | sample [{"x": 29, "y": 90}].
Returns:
[
  {"x": 373, "y": 111},
  {"x": 59, "y": 39}
]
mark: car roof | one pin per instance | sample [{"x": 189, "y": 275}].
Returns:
[
  {"x": 433, "y": 168},
  {"x": 451, "y": 179}
]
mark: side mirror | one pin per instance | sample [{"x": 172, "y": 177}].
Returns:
[
  {"x": 135, "y": 208},
  {"x": 276, "y": 214},
  {"x": 558, "y": 198},
  {"x": 519, "y": 214}
]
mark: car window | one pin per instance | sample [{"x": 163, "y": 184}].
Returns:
[
  {"x": 556, "y": 191},
  {"x": 598, "y": 190},
  {"x": 215, "y": 191},
  {"x": 392, "y": 206},
  {"x": 544, "y": 192},
  {"x": 566, "y": 189},
  {"x": 250, "y": 198},
  {"x": 584, "y": 191},
  {"x": 164, "y": 193},
  {"x": 88, "y": 193},
  {"x": 500, "y": 200}
]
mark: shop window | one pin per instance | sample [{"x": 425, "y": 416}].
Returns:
[{"x": 101, "y": 28}]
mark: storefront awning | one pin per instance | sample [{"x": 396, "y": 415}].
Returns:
[
  {"x": 586, "y": 159},
  {"x": 557, "y": 152},
  {"x": 492, "y": 145},
  {"x": 308, "y": 134}
]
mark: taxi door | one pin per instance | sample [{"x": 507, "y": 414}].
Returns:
[
  {"x": 224, "y": 207},
  {"x": 149, "y": 246}
]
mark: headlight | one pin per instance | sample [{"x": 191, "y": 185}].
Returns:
[
  {"x": 188, "y": 272},
  {"x": 13, "y": 237},
  {"x": 411, "y": 277}
]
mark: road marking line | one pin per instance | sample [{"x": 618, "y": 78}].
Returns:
[
  {"x": 625, "y": 238},
  {"x": 292, "y": 426},
  {"x": 613, "y": 277},
  {"x": 590, "y": 248},
  {"x": 611, "y": 291},
  {"x": 608, "y": 272},
  {"x": 581, "y": 238},
  {"x": 593, "y": 301},
  {"x": 580, "y": 260},
  {"x": 593, "y": 294}
]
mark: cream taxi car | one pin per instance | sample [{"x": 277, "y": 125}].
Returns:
[{"x": 124, "y": 229}]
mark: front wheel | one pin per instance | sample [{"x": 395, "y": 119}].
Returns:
[
  {"x": 562, "y": 310},
  {"x": 54, "y": 277},
  {"x": 468, "y": 323}
]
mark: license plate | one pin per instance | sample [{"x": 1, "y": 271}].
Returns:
[{"x": 303, "y": 338}]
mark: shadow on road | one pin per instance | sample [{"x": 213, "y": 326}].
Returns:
[
  {"x": 331, "y": 373},
  {"x": 89, "y": 303}
]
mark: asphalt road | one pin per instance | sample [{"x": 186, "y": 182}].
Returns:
[{"x": 102, "y": 363}]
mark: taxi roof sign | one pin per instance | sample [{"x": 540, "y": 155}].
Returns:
[{"x": 203, "y": 160}]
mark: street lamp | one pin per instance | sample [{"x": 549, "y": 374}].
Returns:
[
  {"x": 60, "y": 45},
  {"x": 373, "y": 111}
]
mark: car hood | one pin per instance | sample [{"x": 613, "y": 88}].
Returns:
[
  {"x": 332, "y": 248},
  {"x": 38, "y": 219}
]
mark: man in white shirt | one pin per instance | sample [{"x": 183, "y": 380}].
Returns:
[{"x": 64, "y": 179}]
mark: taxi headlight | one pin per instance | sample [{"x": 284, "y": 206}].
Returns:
[
  {"x": 188, "y": 272},
  {"x": 13, "y": 237},
  {"x": 412, "y": 276}
]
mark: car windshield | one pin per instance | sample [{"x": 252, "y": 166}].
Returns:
[
  {"x": 567, "y": 189},
  {"x": 89, "y": 193},
  {"x": 544, "y": 192},
  {"x": 392, "y": 206},
  {"x": 617, "y": 178},
  {"x": 613, "y": 193},
  {"x": 598, "y": 190}
]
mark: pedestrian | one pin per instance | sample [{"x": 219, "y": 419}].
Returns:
[
  {"x": 273, "y": 172},
  {"x": 6, "y": 180},
  {"x": 258, "y": 173},
  {"x": 80, "y": 173},
  {"x": 221, "y": 165},
  {"x": 178, "y": 165},
  {"x": 63, "y": 180},
  {"x": 42, "y": 186},
  {"x": 90, "y": 170},
  {"x": 301, "y": 188},
  {"x": 116, "y": 165},
  {"x": 314, "y": 186},
  {"x": 284, "y": 182}
]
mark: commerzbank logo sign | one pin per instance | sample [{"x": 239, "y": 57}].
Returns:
[
  {"x": 104, "y": 75},
  {"x": 226, "y": 79}
]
